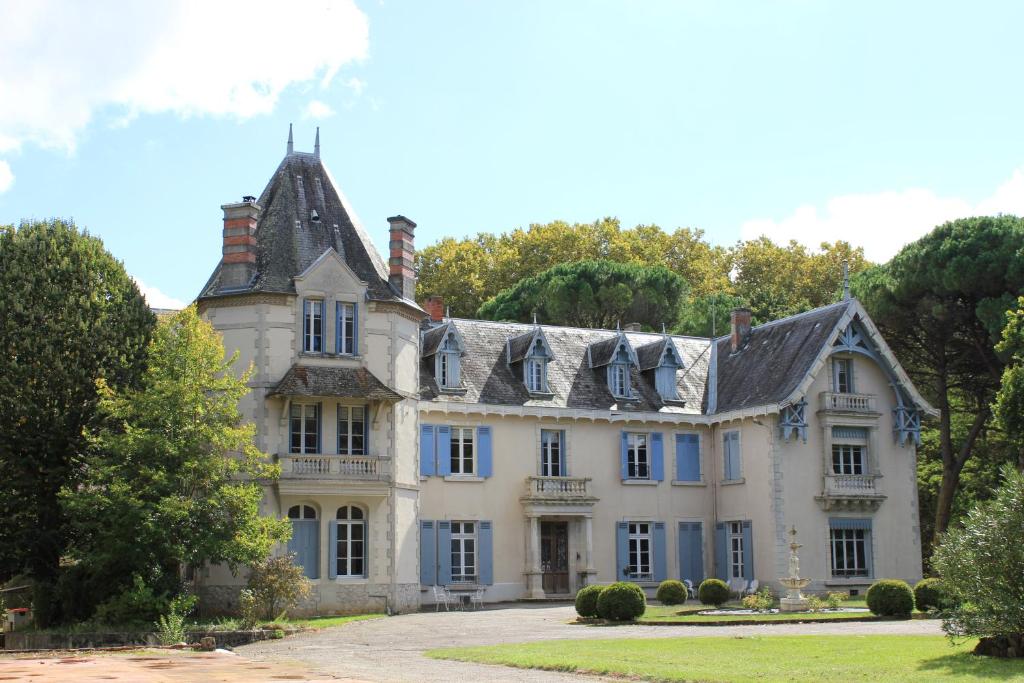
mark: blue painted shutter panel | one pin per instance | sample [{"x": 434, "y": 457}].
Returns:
[
  {"x": 868, "y": 560},
  {"x": 366, "y": 548},
  {"x": 734, "y": 456},
  {"x": 748, "y": 552},
  {"x": 428, "y": 553},
  {"x": 306, "y": 324},
  {"x": 366, "y": 429},
  {"x": 691, "y": 552},
  {"x": 484, "y": 458},
  {"x": 657, "y": 456},
  {"x": 339, "y": 343},
  {"x": 428, "y": 457},
  {"x": 444, "y": 450},
  {"x": 721, "y": 553},
  {"x": 621, "y": 549},
  {"x": 660, "y": 563},
  {"x": 623, "y": 459},
  {"x": 305, "y": 544},
  {"x": 486, "y": 554},
  {"x": 332, "y": 552},
  {"x": 319, "y": 427},
  {"x": 444, "y": 553},
  {"x": 687, "y": 457},
  {"x": 355, "y": 329},
  {"x": 561, "y": 454}
]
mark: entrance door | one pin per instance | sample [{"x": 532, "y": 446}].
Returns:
[{"x": 554, "y": 557}]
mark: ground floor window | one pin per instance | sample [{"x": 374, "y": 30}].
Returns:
[
  {"x": 736, "y": 550},
  {"x": 463, "y": 551},
  {"x": 640, "y": 551},
  {"x": 351, "y": 548},
  {"x": 850, "y": 551}
]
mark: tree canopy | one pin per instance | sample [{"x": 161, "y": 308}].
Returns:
[{"x": 1009, "y": 405}]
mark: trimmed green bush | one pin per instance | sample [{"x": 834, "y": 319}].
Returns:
[
  {"x": 891, "y": 598},
  {"x": 928, "y": 595},
  {"x": 713, "y": 592},
  {"x": 586, "y": 600},
  {"x": 672, "y": 592},
  {"x": 621, "y": 601}
]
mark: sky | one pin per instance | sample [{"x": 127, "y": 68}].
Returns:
[{"x": 797, "y": 119}]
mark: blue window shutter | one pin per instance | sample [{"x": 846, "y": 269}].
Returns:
[
  {"x": 721, "y": 553},
  {"x": 621, "y": 549},
  {"x": 623, "y": 459},
  {"x": 691, "y": 552},
  {"x": 486, "y": 554},
  {"x": 332, "y": 552},
  {"x": 366, "y": 548},
  {"x": 561, "y": 454},
  {"x": 444, "y": 553},
  {"x": 484, "y": 458},
  {"x": 736, "y": 465},
  {"x": 306, "y": 324},
  {"x": 444, "y": 450},
  {"x": 868, "y": 559},
  {"x": 687, "y": 457},
  {"x": 319, "y": 427},
  {"x": 366, "y": 429},
  {"x": 657, "y": 456},
  {"x": 727, "y": 456},
  {"x": 339, "y": 344},
  {"x": 355, "y": 329},
  {"x": 748, "y": 552},
  {"x": 305, "y": 545},
  {"x": 428, "y": 553},
  {"x": 428, "y": 458},
  {"x": 660, "y": 563}
]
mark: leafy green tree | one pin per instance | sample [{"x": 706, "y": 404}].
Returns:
[
  {"x": 69, "y": 315},
  {"x": 709, "y": 315},
  {"x": 940, "y": 304},
  {"x": 1009, "y": 405},
  {"x": 592, "y": 294},
  {"x": 173, "y": 478}
]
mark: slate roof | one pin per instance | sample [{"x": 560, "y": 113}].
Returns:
[
  {"x": 288, "y": 240},
  {"x": 649, "y": 355},
  {"x": 319, "y": 380}
]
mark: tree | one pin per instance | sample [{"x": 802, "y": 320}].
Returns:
[
  {"x": 277, "y": 584},
  {"x": 940, "y": 304},
  {"x": 1009, "y": 405},
  {"x": 173, "y": 478},
  {"x": 69, "y": 315},
  {"x": 592, "y": 294},
  {"x": 709, "y": 315}
]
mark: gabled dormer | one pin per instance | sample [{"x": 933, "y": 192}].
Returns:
[
  {"x": 616, "y": 355},
  {"x": 528, "y": 355},
  {"x": 446, "y": 346},
  {"x": 660, "y": 362}
]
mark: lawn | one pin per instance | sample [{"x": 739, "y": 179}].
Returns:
[
  {"x": 327, "y": 622},
  {"x": 677, "y": 614},
  {"x": 893, "y": 659}
]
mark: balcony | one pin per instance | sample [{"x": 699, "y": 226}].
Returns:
[
  {"x": 558, "y": 491},
  {"x": 848, "y": 403},
  {"x": 853, "y": 492},
  {"x": 318, "y": 466}
]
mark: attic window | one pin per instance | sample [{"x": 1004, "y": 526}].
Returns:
[
  {"x": 618, "y": 374},
  {"x": 535, "y": 369},
  {"x": 447, "y": 369},
  {"x": 665, "y": 376}
]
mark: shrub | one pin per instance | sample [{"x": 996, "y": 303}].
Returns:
[
  {"x": 761, "y": 601},
  {"x": 248, "y": 610},
  {"x": 277, "y": 583},
  {"x": 621, "y": 601},
  {"x": 891, "y": 598},
  {"x": 834, "y": 599},
  {"x": 928, "y": 595},
  {"x": 713, "y": 592},
  {"x": 134, "y": 605},
  {"x": 586, "y": 600},
  {"x": 672, "y": 592},
  {"x": 815, "y": 604},
  {"x": 170, "y": 627}
]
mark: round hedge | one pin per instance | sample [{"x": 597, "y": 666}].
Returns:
[
  {"x": 671, "y": 592},
  {"x": 586, "y": 600},
  {"x": 713, "y": 592},
  {"x": 928, "y": 594},
  {"x": 891, "y": 598},
  {"x": 621, "y": 601}
]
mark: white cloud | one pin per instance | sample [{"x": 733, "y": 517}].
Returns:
[
  {"x": 157, "y": 299},
  {"x": 318, "y": 110},
  {"x": 883, "y": 222},
  {"x": 356, "y": 85},
  {"x": 6, "y": 176},
  {"x": 63, "y": 63}
]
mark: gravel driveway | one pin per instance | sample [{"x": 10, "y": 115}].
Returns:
[{"x": 391, "y": 649}]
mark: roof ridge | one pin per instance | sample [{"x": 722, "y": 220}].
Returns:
[
  {"x": 573, "y": 327},
  {"x": 795, "y": 316}
]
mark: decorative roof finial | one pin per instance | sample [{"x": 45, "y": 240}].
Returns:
[
  {"x": 535, "y": 316},
  {"x": 291, "y": 145},
  {"x": 846, "y": 280},
  {"x": 316, "y": 145},
  {"x": 618, "y": 326},
  {"x": 663, "y": 330},
  {"x": 448, "y": 312}
]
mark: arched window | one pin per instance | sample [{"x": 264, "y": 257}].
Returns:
[
  {"x": 618, "y": 374},
  {"x": 301, "y": 512},
  {"x": 304, "y": 545},
  {"x": 536, "y": 368},
  {"x": 350, "y": 550},
  {"x": 447, "y": 371}
]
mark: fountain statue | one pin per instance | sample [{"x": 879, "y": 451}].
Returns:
[{"x": 794, "y": 601}]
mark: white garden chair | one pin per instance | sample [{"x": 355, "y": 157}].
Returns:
[
  {"x": 476, "y": 600},
  {"x": 441, "y": 597},
  {"x": 737, "y": 585},
  {"x": 689, "y": 589}
]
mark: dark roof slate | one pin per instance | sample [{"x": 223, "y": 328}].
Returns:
[
  {"x": 649, "y": 355},
  {"x": 432, "y": 339},
  {"x": 342, "y": 382},
  {"x": 519, "y": 346}
]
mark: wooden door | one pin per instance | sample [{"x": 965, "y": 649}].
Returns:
[{"x": 554, "y": 557}]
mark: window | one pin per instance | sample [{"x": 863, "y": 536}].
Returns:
[
  {"x": 618, "y": 379},
  {"x": 847, "y": 459},
  {"x": 345, "y": 342},
  {"x": 313, "y": 325},
  {"x": 731, "y": 455},
  {"x": 351, "y": 549},
  {"x": 640, "y": 551},
  {"x": 463, "y": 552},
  {"x": 535, "y": 369},
  {"x": 850, "y": 548},
  {"x": 351, "y": 430},
  {"x": 462, "y": 451},
  {"x": 842, "y": 375},
  {"x": 551, "y": 453},
  {"x": 301, "y": 512},
  {"x": 304, "y": 545},
  {"x": 305, "y": 428},
  {"x": 638, "y": 464},
  {"x": 736, "y": 550},
  {"x": 665, "y": 383},
  {"x": 447, "y": 370}
]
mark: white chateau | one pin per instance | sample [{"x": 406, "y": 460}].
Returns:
[{"x": 531, "y": 460}]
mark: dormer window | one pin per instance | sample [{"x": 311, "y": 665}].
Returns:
[
  {"x": 665, "y": 376},
  {"x": 536, "y": 369},
  {"x": 448, "y": 357},
  {"x": 618, "y": 374}
]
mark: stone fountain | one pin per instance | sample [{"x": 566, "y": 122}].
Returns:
[{"x": 794, "y": 601}]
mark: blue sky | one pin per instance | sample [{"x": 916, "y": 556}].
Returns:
[{"x": 809, "y": 120}]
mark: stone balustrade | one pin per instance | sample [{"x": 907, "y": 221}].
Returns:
[
  {"x": 567, "y": 488},
  {"x": 847, "y": 403},
  {"x": 338, "y": 467}
]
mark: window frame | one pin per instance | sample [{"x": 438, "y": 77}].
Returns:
[
  {"x": 842, "y": 371},
  {"x": 350, "y": 434},
  {"x": 728, "y": 475},
  {"x": 863, "y": 557},
  {"x": 303, "y": 511},
  {"x": 304, "y": 435},
  {"x": 551, "y": 453},
  {"x": 635, "y": 537},
  {"x": 618, "y": 379},
  {"x": 849, "y": 456},
  {"x": 633, "y": 452},
  {"x": 460, "y": 444},
  {"x": 312, "y": 313},
  {"x": 345, "y": 343},
  {"x": 349, "y": 524},
  {"x": 735, "y": 549},
  {"x": 460, "y": 538},
  {"x": 447, "y": 370}
]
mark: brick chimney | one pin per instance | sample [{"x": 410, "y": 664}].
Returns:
[
  {"x": 238, "y": 260},
  {"x": 401, "y": 265},
  {"x": 633, "y": 327},
  {"x": 740, "y": 319},
  {"x": 434, "y": 305}
]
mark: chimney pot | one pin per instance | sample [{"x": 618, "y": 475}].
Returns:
[
  {"x": 402, "y": 256},
  {"x": 633, "y": 327},
  {"x": 740, "y": 319},
  {"x": 434, "y": 306}
]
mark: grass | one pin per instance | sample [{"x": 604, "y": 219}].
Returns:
[
  {"x": 328, "y": 622},
  {"x": 894, "y": 659},
  {"x": 222, "y": 624},
  {"x": 676, "y": 614}
]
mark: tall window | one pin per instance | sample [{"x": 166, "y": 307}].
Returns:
[
  {"x": 351, "y": 430},
  {"x": 842, "y": 375},
  {"x": 351, "y": 549},
  {"x": 665, "y": 382},
  {"x": 731, "y": 455},
  {"x": 313, "y": 325},
  {"x": 464, "y": 552},
  {"x": 462, "y": 451},
  {"x": 346, "y": 328},
  {"x": 535, "y": 368},
  {"x": 847, "y": 459},
  {"x": 447, "y": 370},
  {"x": 305, "y": 428},
  {"x": 850, "y": 552},
  {"x": 618, "y": 379},
  {"x": 551, "y": 453},
  {"x": 640, "y": 551},
  {"x": 736, "y": 550},
  {"x": 638, "y": 464}
]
